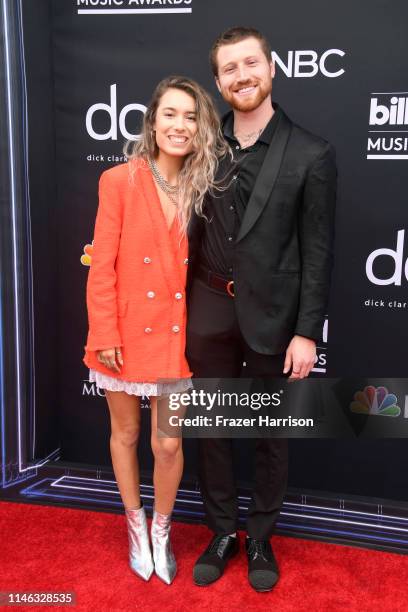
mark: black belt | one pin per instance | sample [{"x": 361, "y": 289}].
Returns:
[{"x": 216, "y": 281}]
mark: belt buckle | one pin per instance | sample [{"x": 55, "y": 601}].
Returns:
[{"x": 230, "y": 285}]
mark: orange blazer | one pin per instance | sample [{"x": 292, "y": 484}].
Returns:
[{"x": 137, "y": 279}]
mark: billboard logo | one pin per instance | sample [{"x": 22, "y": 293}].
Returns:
[
  {"x": 388, "y": 115},
  {"x": 133, "y": 7},
  {"x": 375, "y": 401},
  {"x": 309, "y": 64},
  {"x": 394, "y": 113},
  {"x": 393, "y": 256}
]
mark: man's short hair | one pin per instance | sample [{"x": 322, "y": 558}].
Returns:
[{"x": 234, "y": 35}]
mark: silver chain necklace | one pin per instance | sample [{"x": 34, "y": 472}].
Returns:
[
  {"x": 249, "y": 137},
  {"x": 172, "y": 191}
]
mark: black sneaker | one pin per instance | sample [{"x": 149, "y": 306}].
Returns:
[
  {"x": 210, "y": 566},
  {"x": 263, "y": 570}
]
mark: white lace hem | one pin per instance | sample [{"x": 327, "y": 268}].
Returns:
[{"x": 110, "y": 383}]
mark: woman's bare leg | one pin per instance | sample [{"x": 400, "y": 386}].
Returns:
[
  {"x": 168, "y": 462},
  {"x": 125, "y": 427}
]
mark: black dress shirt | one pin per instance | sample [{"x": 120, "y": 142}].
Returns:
[{"x": 226, "y": 207}]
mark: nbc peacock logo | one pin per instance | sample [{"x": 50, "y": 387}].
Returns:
[
  {"x": 86, "y": 258},
  {"x": 376, "y": 401}
]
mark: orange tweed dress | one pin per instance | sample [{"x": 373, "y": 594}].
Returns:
[{"x": 136, "y": 283}]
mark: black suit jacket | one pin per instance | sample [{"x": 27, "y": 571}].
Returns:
[{"x": 284, "y": 248}]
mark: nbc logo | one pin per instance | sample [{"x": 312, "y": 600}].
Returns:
[
  {"x": 86, "y": 258},
  {"x": 388, "y": 115},
  {"x": 375, "y": 401}
]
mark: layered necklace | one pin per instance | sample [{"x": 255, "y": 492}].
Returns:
[{"x": 172, "y": 191}]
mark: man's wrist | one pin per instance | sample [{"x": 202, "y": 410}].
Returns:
[{"x": 307, "y": 337}]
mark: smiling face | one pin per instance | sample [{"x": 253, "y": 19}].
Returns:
[
  {"x": 175, "y": 123},
  {"x": 244, "y": 74}
]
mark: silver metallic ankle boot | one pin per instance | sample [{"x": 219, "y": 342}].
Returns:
[
  {"x": 140, "y": 554},
  {"x": 164, "y": 562}
]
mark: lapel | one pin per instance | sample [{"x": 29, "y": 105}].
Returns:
[
  {"x": 166, "y": 241},
  {"x": 266, "y": 178}
]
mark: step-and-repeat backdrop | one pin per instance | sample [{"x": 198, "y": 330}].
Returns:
[{"x": 341, "y": 72}]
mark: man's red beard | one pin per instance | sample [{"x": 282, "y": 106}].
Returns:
[{"x": 246, "y": 105}]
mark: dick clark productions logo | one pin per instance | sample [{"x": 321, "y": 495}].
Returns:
[{"x": 398, "y": 272}]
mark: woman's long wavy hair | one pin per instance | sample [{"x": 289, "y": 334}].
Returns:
[{"x": 197, "y": 175}]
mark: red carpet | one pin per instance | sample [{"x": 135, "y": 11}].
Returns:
[{"x": 44, "y": 548}]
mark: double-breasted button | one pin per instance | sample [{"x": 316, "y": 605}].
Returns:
[
  {"x": 147, "y": 260},
  {"x": 150, "y": 294},
  {"x": 148, "y": 330},
  {"x": 186, "y": 261},
  {"x": 175, "y": 328},
  {"x": 178, "y": 295}
]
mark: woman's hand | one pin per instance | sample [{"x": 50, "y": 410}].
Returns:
[{"x": 111, "y": 358}]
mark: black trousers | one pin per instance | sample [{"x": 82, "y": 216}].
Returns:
[{"x": 216, "y": 349}]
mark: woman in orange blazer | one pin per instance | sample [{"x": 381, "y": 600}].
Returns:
[{"x": 136, "y": 297}]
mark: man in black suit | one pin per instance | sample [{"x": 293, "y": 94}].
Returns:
[{"x": 258, "y": 285}]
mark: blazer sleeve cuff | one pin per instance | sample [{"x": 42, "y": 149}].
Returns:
[
  {"x": 307, "y": 336},
  {"x": 309, "y": 330},
  {"x": 101, "y": 344}
]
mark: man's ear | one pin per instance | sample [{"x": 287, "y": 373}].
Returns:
[
  {"x": 217, "y": 82},
  {"x": 272, "y": 69}
]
